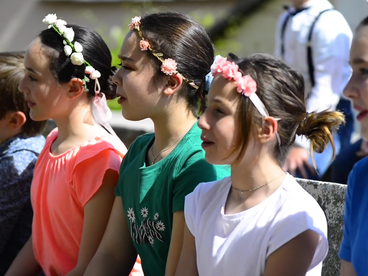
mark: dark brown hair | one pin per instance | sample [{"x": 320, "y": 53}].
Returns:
[
  {"x": 95, "y": 51},
  {"x": 179, "y": 37},
  {"x": 281, "y": 89},
  {"x": 11, "y": 100}
]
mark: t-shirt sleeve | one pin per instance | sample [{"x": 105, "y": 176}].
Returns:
[
  {"x": 345, "y": 248},
  {"x": 190, "y": 210},
  {"x": 194, "y": 171},
  {"x": 88, "y": 175},
  {"x": 298, "y": 217}
]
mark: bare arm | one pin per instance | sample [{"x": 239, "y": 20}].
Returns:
[
  {"x": 176, "y": 243},
  {"x": 188, "y": 258},
  {"x": 96, "y": 215},
  {"x": 347, "y": 269},
  {"x": 116, "y": 254},
  {"x": 294, "y": 257},
  {"x": 25, "y": 263}
]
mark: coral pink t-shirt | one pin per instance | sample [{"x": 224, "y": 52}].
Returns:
[{"x": 61, "y": 187}]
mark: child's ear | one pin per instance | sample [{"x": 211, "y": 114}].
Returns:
[
  {"x": 75, "y": 88},
  {"x": 269, "y": 130},
  {"x": 173, "y": 83},
  {"x": 16, "y": 120}
]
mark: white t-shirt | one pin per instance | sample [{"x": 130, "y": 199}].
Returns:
[{"x": 239, "y": 244}]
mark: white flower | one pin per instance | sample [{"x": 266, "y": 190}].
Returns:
[
  {"x": 62, "y": 29},
  {"x": 68, "y": 50},
  {"x": 50, "y": 19},
  {"x": 69, "y": 34},
  {"x": 59, "y": 23},
  {"x": 77, "y": 58},
  {"x": 95, "y": 75},
  {"x": 89, "y": 70},
  {"x": 78, "y": 47}
]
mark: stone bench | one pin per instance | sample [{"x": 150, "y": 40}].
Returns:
[{"x": 331, "y": 198}]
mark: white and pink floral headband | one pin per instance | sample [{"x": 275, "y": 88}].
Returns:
[
  {"x": 168, "y": 66},
  {"x": 101, "y": 112},
  {"x": 245, "y": 85}
]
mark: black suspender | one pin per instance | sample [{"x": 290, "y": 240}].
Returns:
[
  {"x": 309, "y": 43},
  {"x": 309, "y": 49}
]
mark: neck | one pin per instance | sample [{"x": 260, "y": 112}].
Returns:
[
  {"x": 263, "y": 170},
  {"x": 170, "y": 126},
  {"x": 299, "y": 3},
  {"x": 77, "y": 122}
]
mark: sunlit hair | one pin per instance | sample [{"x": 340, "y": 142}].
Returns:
[
  {"x": 184, "y": 40},
  {"x": 11, "y": 100},
  {"x": 282, "y": 91}
]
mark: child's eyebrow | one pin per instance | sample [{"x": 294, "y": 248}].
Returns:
[
  {"x": 32, "y": 70},
  {"x": 124, "y": 58}
]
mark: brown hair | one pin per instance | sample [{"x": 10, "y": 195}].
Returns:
[
  {"x": 281, "y": 89},
  {"x": 179, "y": 37},
  {"x": 11, "y": 100}
]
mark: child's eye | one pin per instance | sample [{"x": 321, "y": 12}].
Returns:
[
  {"x": 219, "y": 111},
  {"x": 32, "y": 78},
  {"x": 364, "y": 71}
]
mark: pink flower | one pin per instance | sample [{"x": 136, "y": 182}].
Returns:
[
  {"x": 136, "y": 21},
  {"x": 169, "y": 66},
  {"x": 144, "y": 44},
  {"x": 218, "y": 67},
  {"x": 246, "y": 85},
  {"x": 230, "y": 70}
]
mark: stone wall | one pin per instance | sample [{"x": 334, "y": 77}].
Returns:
[{"x": 331, "y": 198}]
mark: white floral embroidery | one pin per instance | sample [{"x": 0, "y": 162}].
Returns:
[
  {"x": 144, "y": 212},
  {"x": 160, "y": 226},
  {"x": 156, "y": 216},
  {"x": 131, "y": 214},
  {"x": 151, "y": 240}
]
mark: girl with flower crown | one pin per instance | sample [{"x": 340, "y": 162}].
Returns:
[
  {"x": 258, "y": 221},
  {"x": 165, "y": 58},
  {"x": 68, "y": 78}
]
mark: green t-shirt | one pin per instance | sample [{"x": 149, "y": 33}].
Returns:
[{"x": 152, "y": 194}]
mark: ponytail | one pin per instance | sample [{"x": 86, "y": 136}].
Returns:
[{"x": 318, "y": 128}]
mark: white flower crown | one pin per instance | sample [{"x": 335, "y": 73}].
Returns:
[{"x": 73, "y": 51}]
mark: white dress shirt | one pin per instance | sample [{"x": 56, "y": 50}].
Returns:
[{"x": 331, "y": 40}]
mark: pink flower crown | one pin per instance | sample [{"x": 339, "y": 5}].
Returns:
[
  {"x": 245, "y": 85},
  {"x": 168, "y": 66}
]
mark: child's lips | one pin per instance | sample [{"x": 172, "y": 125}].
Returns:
[
  {"x": 121, "y": 99},
  {"x": 362, "y": 112},
  {"x": 206, "y": 143},
  {"x": 30, "y": 104},
  {"x": 362, "y": 115}
]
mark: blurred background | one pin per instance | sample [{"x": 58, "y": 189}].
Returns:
[
  {"x": 243, "y": 26},
  {"x": 239, "y": 26}
]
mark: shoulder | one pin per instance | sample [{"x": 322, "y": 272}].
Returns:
[
  {"x": 141, "y": 142},
  {"x": 358, "y": 177},
  {"x": 205, "y": 192},
  {"x": 298, "y": 201},
  {"x": 331, "y": 22},
  {"x": 27, "y": 145}
]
